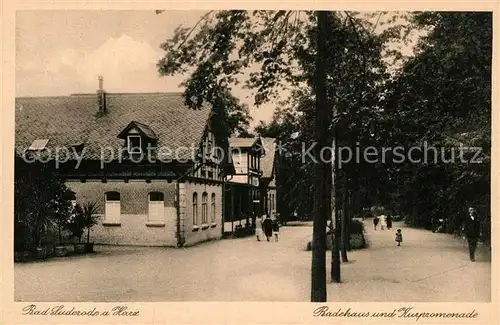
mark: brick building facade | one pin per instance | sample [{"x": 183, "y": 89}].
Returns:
[{"x": 114, "y": 144}]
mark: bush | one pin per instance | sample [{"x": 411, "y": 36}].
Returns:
[
  {"x": 356, "y": 227},
  {"x": 22, "y": 239},
  {"x": 40, "y": 198},
  {"x": 356, "y": 241},
  {"x": 486, "y": 230}
]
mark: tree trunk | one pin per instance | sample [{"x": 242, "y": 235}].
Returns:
[
  {"x": 322, "y": 176},
  {"x": 350, "y": 214},
  {"x": 354, "y": 193},
  {"x": 345, "y": 212},
  {"x": 88, "y": 235},
  {"x": 37, "y": 233},
  {"x": 335, "y": 267}
]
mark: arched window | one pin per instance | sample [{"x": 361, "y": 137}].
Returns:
[
  {"x": 212, "y": 208},
  {"x": 112, "y": 209},
  {"x": 195, "y": 208},
  {"x": 156, "y": 209},
  {"x": 204, "y": 208}
]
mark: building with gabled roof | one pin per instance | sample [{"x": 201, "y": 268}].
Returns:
[
  {"x": 268, "y": 191},
  {"x": 242, "y": 200},
  {"x": 155, "y": 167}
]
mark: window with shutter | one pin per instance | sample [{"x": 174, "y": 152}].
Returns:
[
  {"x": 156, "y": 209},
  {"x": 112, "y": 209}
]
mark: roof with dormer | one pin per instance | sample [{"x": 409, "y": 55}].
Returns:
[{"x": 68, "y": 120}]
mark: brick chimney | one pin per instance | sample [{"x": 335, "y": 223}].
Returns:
[{"x": 101, "y": 97}]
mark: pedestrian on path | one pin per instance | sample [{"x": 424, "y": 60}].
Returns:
[
  {"x": 382, "y": 222},
  {"x": 258, "y": 227},
  {"x": 276, "y": 230},
  {"x": 399, "y": 237},
  {"x": 388, "y": 221},
  {"x": 375, "y": 222},
  {"x": 472, "y": 232},
  {"x": 267, "y": 226}
]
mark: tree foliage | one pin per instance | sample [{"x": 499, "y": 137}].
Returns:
[
  {"x": 356, "y": 77},
  {"x": 442, "y": 98},
  {"x": 40, "y": 199},
  {"x": 439, "y": 97},
  {"x": 84, "y": 217},
  {"x": 378, "y": 96}
]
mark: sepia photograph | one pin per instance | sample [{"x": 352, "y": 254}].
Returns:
[{"x": 252, "y": 156}]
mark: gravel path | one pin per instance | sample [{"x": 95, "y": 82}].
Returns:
[{"x": 428, "y": 267}]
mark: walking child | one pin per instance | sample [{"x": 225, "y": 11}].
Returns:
[
  {"x": 375, "y": 222},
  {"x": 276, "y": 230},
  {"x": 399, "y": 237}
]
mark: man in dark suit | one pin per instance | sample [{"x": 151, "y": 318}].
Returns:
[{"x": 472, "y": 232}]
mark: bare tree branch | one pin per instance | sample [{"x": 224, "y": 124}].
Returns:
[
  {"x": 204, "y": 17},
  {"x": 376, "y": 23}
]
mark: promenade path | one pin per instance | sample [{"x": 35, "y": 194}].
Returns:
[{"x": 428, "y": 267}]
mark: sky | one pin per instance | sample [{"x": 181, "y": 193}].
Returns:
[{"x": 59, "y": 53}]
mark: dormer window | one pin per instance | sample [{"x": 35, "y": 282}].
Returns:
[
  {"x": 138, "y": 137},
  {"x": 134, "y": 144}
]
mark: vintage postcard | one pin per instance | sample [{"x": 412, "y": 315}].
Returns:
[{"x": 249, "y": 163}]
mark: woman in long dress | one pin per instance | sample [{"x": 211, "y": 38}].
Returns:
[
  {"x": 383, "y": 222},
  {"x": 258, "y": 228},
  {"x": 388, "y": 221}
]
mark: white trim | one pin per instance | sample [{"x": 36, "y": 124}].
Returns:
[
  {"x": 133, "y": 131},
  {"x": 128, "y": 143},
  {"x": 155, "y": 223}
]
